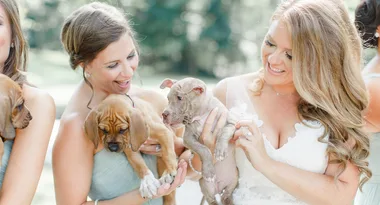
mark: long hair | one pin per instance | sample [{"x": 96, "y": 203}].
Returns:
[
  {"x": 15, "y": 65},
  {"x": 326, "y": 64}
]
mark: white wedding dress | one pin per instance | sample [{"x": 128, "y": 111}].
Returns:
[{"x": 303, "y": 151}]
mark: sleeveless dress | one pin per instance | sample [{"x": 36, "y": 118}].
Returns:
[
  {"x": 371, "y": 189},
  {"x": 8, "y": 144},
  {"x": 113, "y": 175},
  {"x": 303, "y": 151}
]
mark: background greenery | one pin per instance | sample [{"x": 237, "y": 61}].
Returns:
[{"x": 209, "y": 38}]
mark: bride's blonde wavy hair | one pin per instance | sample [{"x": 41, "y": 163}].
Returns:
[{"x": 326, "y": 65}]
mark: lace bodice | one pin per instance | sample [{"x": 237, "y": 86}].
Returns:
[{"x": 303, "y": 150}]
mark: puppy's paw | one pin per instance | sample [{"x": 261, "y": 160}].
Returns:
[
  {"x": 168, "y": 177},
  {"x": 149, "y": 186},
  {"x": 221, "y": 151}
]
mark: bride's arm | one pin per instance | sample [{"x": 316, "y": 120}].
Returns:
[{"x": 311, "y": 187}]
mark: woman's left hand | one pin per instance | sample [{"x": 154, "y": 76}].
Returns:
[
  {"x": 151, "y": 147},
  {"x": 249, "y": 138}
]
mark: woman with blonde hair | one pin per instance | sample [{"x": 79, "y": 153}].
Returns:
[
  {"x": 367, "y": 19},
  {"x": 23, "y": 157},
  {"x": 300, "y": 138}
]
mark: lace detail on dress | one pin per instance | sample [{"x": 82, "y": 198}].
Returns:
[{"x": 303, "y": 150}]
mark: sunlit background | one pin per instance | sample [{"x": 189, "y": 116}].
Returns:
[{"x": 208, "y": 39}]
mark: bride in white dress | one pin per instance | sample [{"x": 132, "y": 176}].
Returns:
[{"x": 302, "y": 110}]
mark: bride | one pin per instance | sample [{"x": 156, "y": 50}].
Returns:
[{"x": 305, "y": 143}]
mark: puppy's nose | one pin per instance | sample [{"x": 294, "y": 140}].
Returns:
[
  {"x": 113, "y": 146},
  {"x": 165, "y": 114}
]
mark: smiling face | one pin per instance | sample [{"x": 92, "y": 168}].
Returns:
[
  {"x": 112, "y": 69},
  {"x": 276, "y": 53}
]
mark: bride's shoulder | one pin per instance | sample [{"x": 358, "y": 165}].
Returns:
[{"x": 245, "y": 80}]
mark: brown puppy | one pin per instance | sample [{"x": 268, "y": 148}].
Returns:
[
  {"x": 13, "y": 113},
  {"x": 123, "y": 125}
]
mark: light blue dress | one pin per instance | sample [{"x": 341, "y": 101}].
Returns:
[
  {"x": 112, "y": 176},
  {"x": 8, "y": 144},
  {"x": 371, "y": 189}
]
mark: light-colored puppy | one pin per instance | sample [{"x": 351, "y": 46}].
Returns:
[
  {"x": 190, "y": 104},
  {"x": 123, "y": 125},
  {"x": 13, "y": 112}
]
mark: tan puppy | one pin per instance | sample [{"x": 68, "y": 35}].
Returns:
[
  {"x": 123, "y": 125},
  {"x": 13, "y": 113}
]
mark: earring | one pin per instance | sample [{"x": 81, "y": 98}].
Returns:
[
  {"x": 12, "y": 45},
  {"x": 377, "y": 34},
  {"x": 87, "y": 75}
]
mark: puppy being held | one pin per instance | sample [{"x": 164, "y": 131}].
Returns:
[
  {"x": 123, "y": 124},
  {"x": 13, "y": 112},
  {"x": 190, "y": 104}
]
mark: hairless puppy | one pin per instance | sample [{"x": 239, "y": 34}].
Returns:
[{"x": 190, "y": 104}]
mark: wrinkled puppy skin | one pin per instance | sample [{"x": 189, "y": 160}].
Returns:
[{"x": 189, "y": 104}]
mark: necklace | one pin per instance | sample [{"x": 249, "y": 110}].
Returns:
[{"x": 282, "y": 94}]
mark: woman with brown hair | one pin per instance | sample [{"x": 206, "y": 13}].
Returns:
[
  {"x": 367, "y": 20},
  {"x": 23, "y": 158},
  {"x": 300, "y": 140},
  {"x": 99, "y": 39}
]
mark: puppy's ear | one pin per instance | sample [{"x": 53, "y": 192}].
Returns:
[
  {"x": 138, "y": 129},
  {"x": 199, "y": 89},
  {"x": 167, "y": 83},
  {"x": 91, "y": 127},
  {"x": 7, "y": 130}
]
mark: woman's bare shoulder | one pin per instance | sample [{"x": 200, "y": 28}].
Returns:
[
  {"x": 221, "y": 87},
  {"x": 36, "y": 97}
]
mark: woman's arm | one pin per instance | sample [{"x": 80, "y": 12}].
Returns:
[
  {"x": 372, "y": 114},
  {"x": 29, "y": 150},
  {"x": 314, "y": 188},
  {"x": 72, "y": 162}
]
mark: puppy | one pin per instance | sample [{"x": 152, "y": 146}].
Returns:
[
  {"x": 190, "y": 104},
  {"x": 13, "y": 112},
  {"x": 123, "y": 125}
]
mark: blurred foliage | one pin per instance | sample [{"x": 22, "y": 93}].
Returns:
[{"x": 215, "y": 38}]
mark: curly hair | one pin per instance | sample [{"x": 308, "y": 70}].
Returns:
[
  {"x": 326, "y": 63},
  {"x": 367, "y": 19}
]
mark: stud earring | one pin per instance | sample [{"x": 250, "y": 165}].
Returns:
[
  {"x": 87, "y": 75},
  {"x": 12, "y": 45},
  {"x": 377, "y": 34}
]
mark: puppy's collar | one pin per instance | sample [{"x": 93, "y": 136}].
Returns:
[{"x": 133, "y": 103}]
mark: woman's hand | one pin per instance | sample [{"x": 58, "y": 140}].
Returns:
[
  {"x": 151, "y": 147},
  {"x": 249, "y": 138},
  {"x": 179, "y": 179},
  {"x": 209, "y": 132}
]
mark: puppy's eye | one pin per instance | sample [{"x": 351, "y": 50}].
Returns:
[
  {"x": 104, "y": 131},
  {"x": 121, "y": 131},
  {"x": 19, "y": 107},
  {"x": 179, "y": 98}
]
